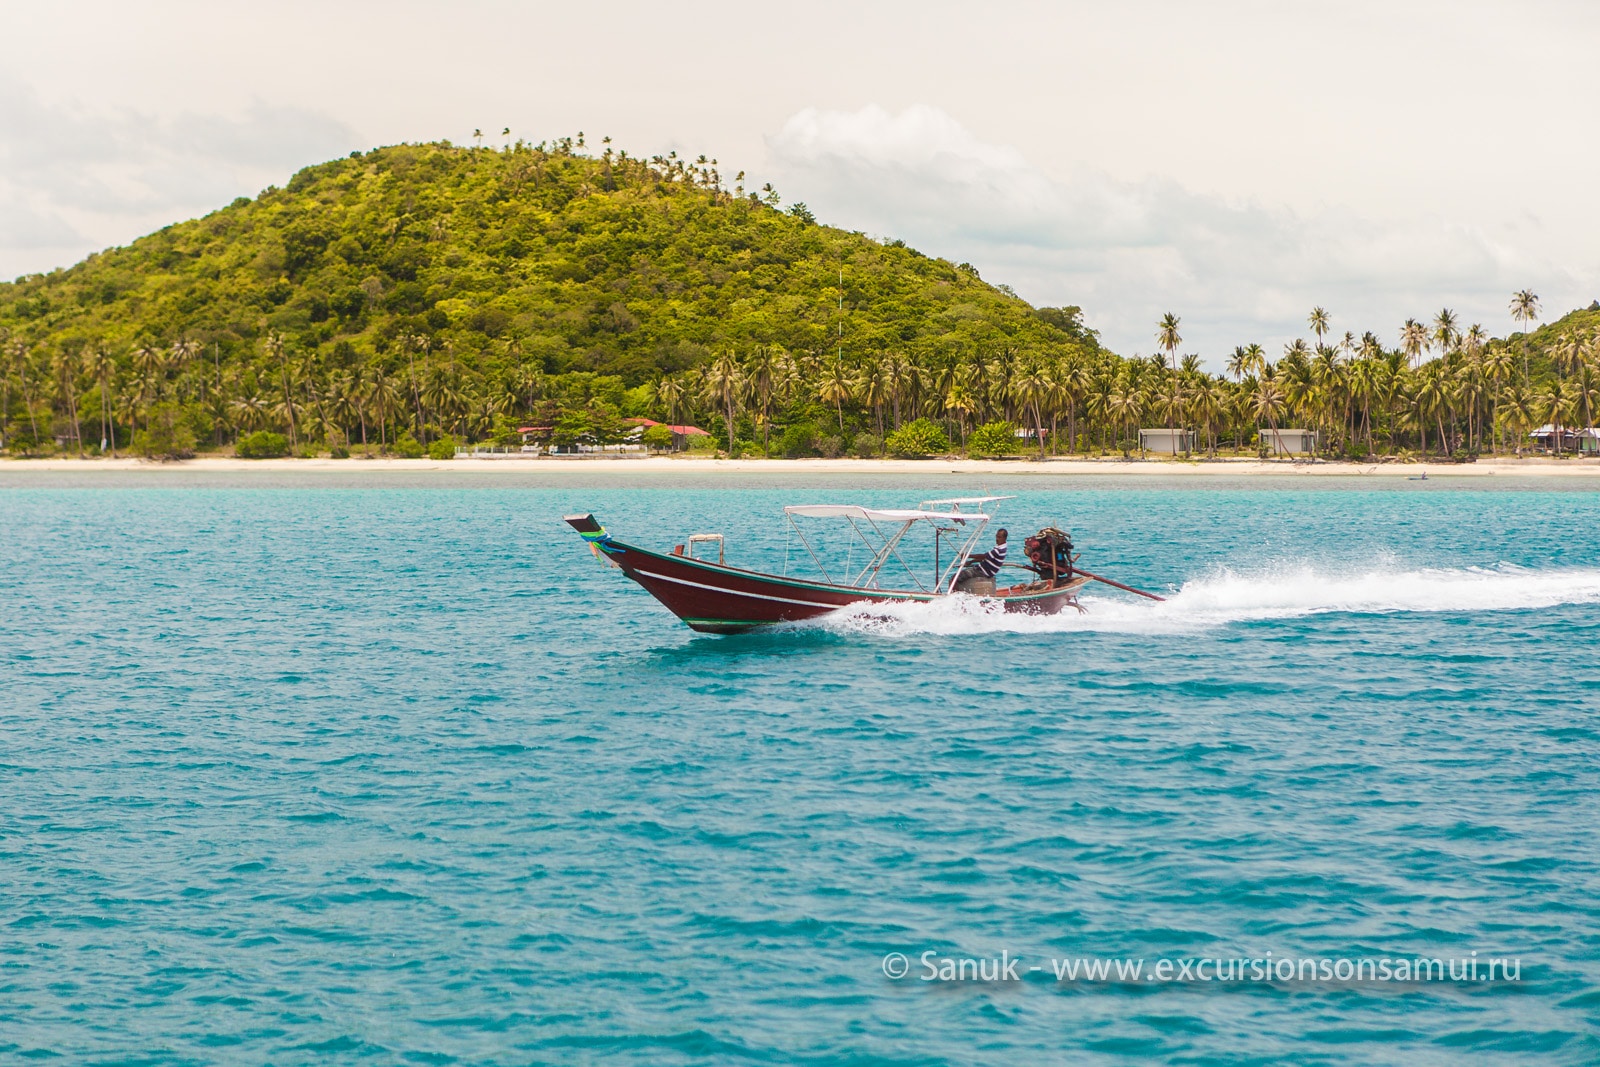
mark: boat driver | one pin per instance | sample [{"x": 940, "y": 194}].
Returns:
[{"x": 985, "y": 565}]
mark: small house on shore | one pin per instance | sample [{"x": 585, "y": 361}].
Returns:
[
  {"x": 1288, "y": 442},
  {"x": 680, "y": 434},
  {"x": 1572, "y": 438},
  {"x": 1167, "y": 442}
]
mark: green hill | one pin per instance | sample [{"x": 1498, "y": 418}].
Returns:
[
  {"x": 423, "y": 295},
  {"x": 492, "y": 268},
  {"x": 1547, "y": 342}
]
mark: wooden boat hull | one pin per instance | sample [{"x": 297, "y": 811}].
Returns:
[{"x": 715, "y": 598}]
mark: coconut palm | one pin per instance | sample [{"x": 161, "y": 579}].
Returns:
[
  {"x": 1125, "y": 405},
  {"x": 872, "y": 387},
  {"x": 250, "y": 412},
  {"x": 66, "y": 366},
  {"x": 1238, "y": 363},
  {"x": 1431, "y": 397},
  {"x": 1413, "y": 340},
  {"x": 1497, "y": 368},
  {"x": 1584, "y": 392},
  {"x": 958, "y": 401},
  {"x": 761, "y": 371},
  {"x": 19, "y": 360},
  {"x": 1318, "y": 321},
  {"x": 724, "y": 382},
  {"x": 670, "y": 392},
  {"x": 1364, "y": 387},
  {"x": 1268, "y": 403},
  {"x": 103, "y": 369},
  {"x": 837, "y": 386},
  {"x": 1551, "y": 404},
  {"x": 1446, "y": 333},
  {"x": 1524, "y": 309},
  {"x": 1167, "y": 336},
  {"x": 1567, "y": 354},
  {"x": 1031, "y": 387}
]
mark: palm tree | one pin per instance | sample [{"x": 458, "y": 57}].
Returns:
[
  {"x": 276, "y": 351},
  {"x": 873, "y": 389},
  {"x": 1167, "y": 336},
  {"x": 1567, "y": 354},
  {"x": 1497, "y": 367},
  {"x": 958, "y": 399},
  {"x": 1031, "y": 387},
  {"x": 1125, "y": 405},
  {"x": 669, "y": 394},
  {"x": 836, "y": 387},
  {"x": 1268, "y": 403},
  {"x": 1210, "y": 404},
  {"x": 1318, "y": 321},
  {"x": 1413, "y": 339},
  {"x": 250, "y": 411},
  {"x": 1364, "y": 386},
  {"x": 19, "y": 359},
  {"x": 66, "y": 370},
  {"x": 103, "y": 368},
  {"x": 1524, "y": 309},
  {"x": 1431, "y": 397},
  {"x": 1585, "y": 393},
  {"x": 1238, "y": 363},
  {"x": 1552, "y": 404},
  {"x": 1256, "y": 358},
  {"x": 761, "y": 372},
  {"x": 1445, "y": 332},
  {"x": 724, "y": 382},
  {"x": 1517, "y": 406}
]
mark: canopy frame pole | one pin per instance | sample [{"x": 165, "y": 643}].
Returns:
[
  {"x": 966, "y": 551},
  {"x": 892, "y": 548},
  {"x": 802, "y": 535},
  {"x": 880, "y": 555}
]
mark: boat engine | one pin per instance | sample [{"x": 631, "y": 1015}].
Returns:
[{"x": 1049, "y": 552}]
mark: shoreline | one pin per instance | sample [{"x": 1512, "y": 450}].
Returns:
[{"x": 1536, "y": 467}]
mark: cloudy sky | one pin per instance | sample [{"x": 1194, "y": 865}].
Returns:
[{"x": 1232, "y": 162}]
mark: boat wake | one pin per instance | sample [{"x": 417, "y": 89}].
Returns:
[{"x": 1227, "y": 596}]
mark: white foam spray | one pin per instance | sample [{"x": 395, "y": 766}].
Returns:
[{"x": 1226, "y": 596}]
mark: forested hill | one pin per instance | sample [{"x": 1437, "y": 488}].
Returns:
[
  {"x": 421, "y": 296},
  {"x": 532, "y": 255}
]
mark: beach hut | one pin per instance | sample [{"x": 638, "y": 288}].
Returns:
[
  {"x": 1573, "y": 438},
  {"x": 1169, "y": 442},
  {"x": 680, "y": 434},
  {"x": 1288, "y": 442}
]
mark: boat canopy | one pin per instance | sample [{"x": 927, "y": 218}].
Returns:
[{"x": 856, "y": 511}]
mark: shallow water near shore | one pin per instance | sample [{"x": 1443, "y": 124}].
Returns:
[{"x": 308, "y": 772}]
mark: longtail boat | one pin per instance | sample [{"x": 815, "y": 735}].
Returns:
[{"x": 714, "y": 597}]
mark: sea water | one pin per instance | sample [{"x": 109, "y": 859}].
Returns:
[{"x": 394, "y": 770}]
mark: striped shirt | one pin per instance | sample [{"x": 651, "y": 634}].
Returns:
[{"x": 988, "y": 563}]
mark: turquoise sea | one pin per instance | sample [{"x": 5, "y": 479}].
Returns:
[{"x": 312, "y": 769}]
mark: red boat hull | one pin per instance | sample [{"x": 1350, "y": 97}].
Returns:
[{"x": 715, "y": 598}]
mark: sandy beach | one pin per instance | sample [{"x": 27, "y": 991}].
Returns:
[{"x": 575, "y": 467}]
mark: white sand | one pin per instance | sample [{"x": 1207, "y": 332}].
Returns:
[{"x": 1540, "y": 467}]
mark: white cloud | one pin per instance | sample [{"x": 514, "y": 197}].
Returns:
[
  {"x": 75, "y": 181},
  {"x": 1126, "y": 251}
]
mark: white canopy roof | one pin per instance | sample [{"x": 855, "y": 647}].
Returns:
[{"x": 856, "y": 511}]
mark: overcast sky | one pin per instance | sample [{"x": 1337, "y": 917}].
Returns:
[{"x": 1234, "y": 163}]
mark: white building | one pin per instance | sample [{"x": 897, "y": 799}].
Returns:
[
  {"x": 1288, "y": 442},
  {"x": 1169, "y": 442}
]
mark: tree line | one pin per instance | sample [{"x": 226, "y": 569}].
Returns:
[{"x": 1441, "y": 389}]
